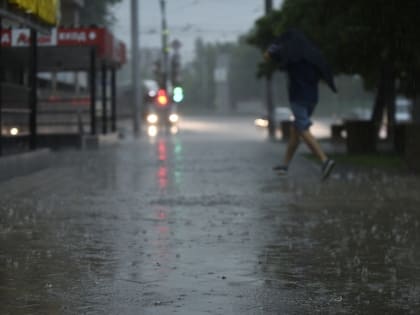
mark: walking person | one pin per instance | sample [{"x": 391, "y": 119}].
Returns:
[{"x": 305, "y": 67}]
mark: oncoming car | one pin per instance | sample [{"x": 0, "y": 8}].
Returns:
[{"x": 162, "y": 114}]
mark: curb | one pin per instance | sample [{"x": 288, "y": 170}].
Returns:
[{"x": 24, "y": 164}]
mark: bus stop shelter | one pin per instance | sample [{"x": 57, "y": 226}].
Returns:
[
  {"x": 92, "y": 49},
  {"x": 38, "y": 17}
]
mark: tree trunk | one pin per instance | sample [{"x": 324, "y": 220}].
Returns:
[
  {"x": 415, "y": 111},
  {"x": 379, "y": 104},
  {"x": 390, "y": 96}
]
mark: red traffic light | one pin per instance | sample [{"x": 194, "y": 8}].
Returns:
[{"x": 162, "y": 97}]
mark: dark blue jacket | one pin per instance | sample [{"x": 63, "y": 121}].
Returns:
[{"x": 303, "y": 82}]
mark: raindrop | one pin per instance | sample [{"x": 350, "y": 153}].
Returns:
[
  {"x": 373, "y": 229},
  {"x": 338, "y": 271},
  {"x": 393, "y": 272},
  {"x": 364, "y": 274},
  {"x": 387, "y": 259}
]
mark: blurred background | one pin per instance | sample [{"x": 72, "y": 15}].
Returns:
[{"x": 110, "y": 66}]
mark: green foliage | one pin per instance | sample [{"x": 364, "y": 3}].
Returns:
[
  {"x": 261, "y": 36},
  {"x": 384, "y": 161},
  {"x": 98, "y": 12},
  {"x": 357, "y": 36}
]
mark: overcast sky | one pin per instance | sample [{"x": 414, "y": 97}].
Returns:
[{"x": 212, "y": 20}]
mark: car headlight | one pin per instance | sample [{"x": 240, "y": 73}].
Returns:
[
  {"x": 173, "y": 118},
  {"x": 14, "y": 131},
  {"x": 260, "y": 122},
  {"x": 152, "y": 118}
]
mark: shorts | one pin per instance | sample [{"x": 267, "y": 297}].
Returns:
[{"x": 302, "y": 114}]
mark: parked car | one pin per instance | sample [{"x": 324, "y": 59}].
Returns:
[
  {"x": 280, "y": 114},
  {"x": 359, "y": 113},
  {"x": 403, "y": 109}
]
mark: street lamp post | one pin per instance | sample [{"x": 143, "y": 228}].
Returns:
[
  {"x": 165, "y": 47},
  {"x": 269, "y": 88},
  {"x": 268, "y": 6}
]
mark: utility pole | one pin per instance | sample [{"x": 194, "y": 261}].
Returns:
[
  {"x": 1, "y": 89},
  {"x": 269, "y": 88},
  {"x": 165, "y": 47},
  {"x": 268, "y": 6},
  {"x": 135, "y": 69},
  {"x": 33, "y": 98}
]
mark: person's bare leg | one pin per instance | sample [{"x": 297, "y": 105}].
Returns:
[
  {"x": 292, "y": 145},
  {"x": 313, "y": 144}
]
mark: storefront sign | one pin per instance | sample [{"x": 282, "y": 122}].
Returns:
[
  {"x": 107, "y": 46},
  {"x": 6, "y": 38},
  {"x": 22, "y": 37}
]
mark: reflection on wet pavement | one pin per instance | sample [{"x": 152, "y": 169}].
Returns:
[{"x": 192, "y": 225}]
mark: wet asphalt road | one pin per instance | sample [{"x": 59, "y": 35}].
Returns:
[{"x": 197, "y": 223}]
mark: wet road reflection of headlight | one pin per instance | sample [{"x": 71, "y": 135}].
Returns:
[
  {"x": 14, "y": 131},
  {"x": 152, "y": 131},
  {"x": 173, "y": 118},
  {"x": 152, "y": 118},
  {"x": 174, "y": 130}
]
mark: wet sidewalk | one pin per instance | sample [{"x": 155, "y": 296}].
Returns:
[{"x": 197, "y": 223}]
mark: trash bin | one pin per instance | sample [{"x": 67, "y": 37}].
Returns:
[
  {"x": 337, "y": 132},
  {"x": 361, "y": 136},
  {"x": 412, "y": 146},
  {"x": 285, "y": 129},
  {"x": 400, "y": 137}
]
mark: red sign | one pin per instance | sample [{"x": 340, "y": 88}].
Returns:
[
  {"x": 108, "y": 47},
  {"x": 6, "y": 38},
  {"x": 72, "y": 37},
  {"x": 84, "y": 37},
  {"x": 22, "y": 38}
]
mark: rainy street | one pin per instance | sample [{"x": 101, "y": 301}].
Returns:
[{"x": 197, "y": 223}]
